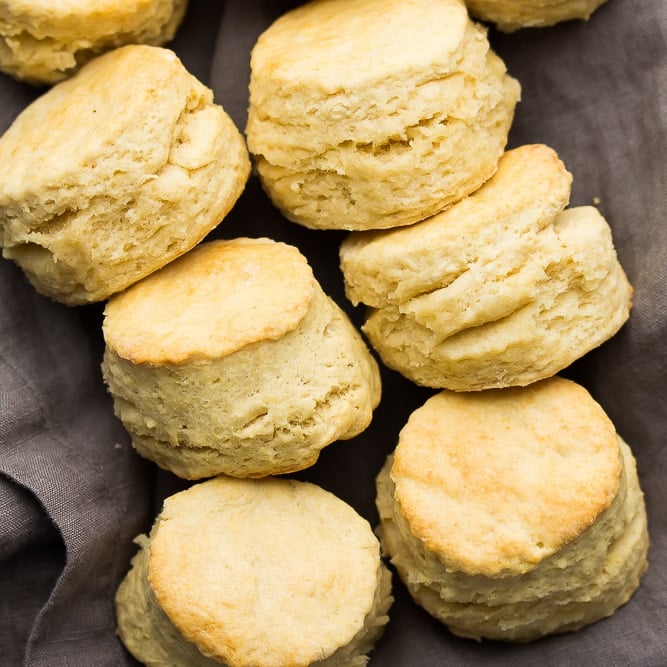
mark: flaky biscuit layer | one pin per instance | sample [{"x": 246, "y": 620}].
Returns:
[
  {"x": 552, "y": 553},
  {"x": 115, "y": 172},
  {"x": 503, "y": 288},
  {"x": 45, "y": 41},
  {"x": 255, "y": 379},
  {"x": 390, "y": 130}
]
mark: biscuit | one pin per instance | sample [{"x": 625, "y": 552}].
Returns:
[
  {"x": 375, "y": 113},
  {"x": 255, "y": 572},
  {"x": 514, "y": 513},
  {"x": 115, "y": 172},
  {"x": 510, "y": 15},
  {"x": 45, "y": 41},
  {"x": 503, "y": 288},
  {"x": 233, "y": 360}
]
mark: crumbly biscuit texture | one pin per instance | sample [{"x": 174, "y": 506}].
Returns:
[
  {"x": 511, "y": 15},
  {"x": 115, "y": 172},
  {"x": 255, "y": 572},
  {"x": 530, "y": 187},
  {"x": 515, "y": 513},
  {"x": 45, "y": 41},
  {"x": 504, "y": 288},
  {"x": 406, "y": 115},
  {"x": 258, "y": 372}
]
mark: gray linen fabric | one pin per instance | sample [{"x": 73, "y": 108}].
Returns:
[{"x": 72, "y": 492}]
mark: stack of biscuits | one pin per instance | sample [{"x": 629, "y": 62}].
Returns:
[
  {"x": 478, "y": 281},
  {"x": 225, "y": 360},
  {"x": 510, "y": 507}
]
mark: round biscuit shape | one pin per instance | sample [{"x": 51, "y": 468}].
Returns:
[
  {"x": 504, "y": 288},
  {"x": 45, "y": 41},
  {"x": 582, "y": 583},
  {"x": 494, "y": 457},
  {"x": 511, "y": 15},
  {"x": 255, "y": 572},
  {"x": 115, "y": 172},
  {"x": 514, "y": 523},
  {"x": 410, "y": 115},
  {"x": 233, "y": 360}
]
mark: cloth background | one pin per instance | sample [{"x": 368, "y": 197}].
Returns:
[{"x": 73, "y": 494}]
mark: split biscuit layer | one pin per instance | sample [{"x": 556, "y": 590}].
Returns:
[{"x": 504, "y": 288}]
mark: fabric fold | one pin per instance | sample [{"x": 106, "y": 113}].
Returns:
[
  {"x": 76, "y": 494},
  {"x": 73, "y": 493}
]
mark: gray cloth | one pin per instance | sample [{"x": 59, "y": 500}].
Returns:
[{"x": 73, "y": 494}]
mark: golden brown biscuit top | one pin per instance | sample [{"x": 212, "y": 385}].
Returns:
[
  {"x": 115, "y": 115},
  {"x": 263, "y": 572},
  {"x": 494, "y": 482},
  {"x": 382, "y": 38},
  {"x": 84, "y": 19},
  {"x": 69, "y": 8},
  {"x": 218, "y": 298}
]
